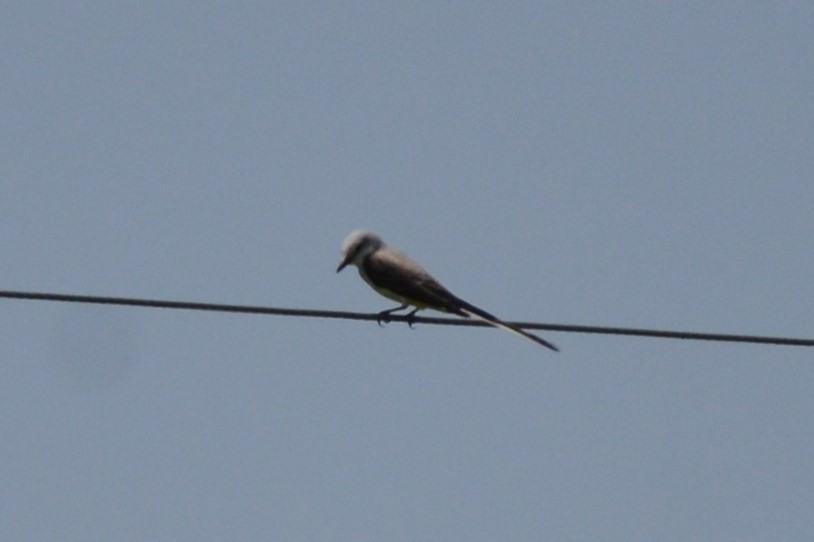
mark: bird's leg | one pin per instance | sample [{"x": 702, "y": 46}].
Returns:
[
  {"x": 411, "y": 317},
  {"x": 384, "y": 316}
]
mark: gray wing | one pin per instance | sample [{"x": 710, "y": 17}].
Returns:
[{"x": 396, "y": 272}]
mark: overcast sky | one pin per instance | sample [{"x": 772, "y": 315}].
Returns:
[{"x": 624, "y": 164}]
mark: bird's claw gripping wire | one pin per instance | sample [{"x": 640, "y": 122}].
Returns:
[
  {"x": 411, "y": 318},
  {"x": 384, "y": 316}
]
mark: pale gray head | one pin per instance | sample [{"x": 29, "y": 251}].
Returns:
[{"x": 356, "y": 246}]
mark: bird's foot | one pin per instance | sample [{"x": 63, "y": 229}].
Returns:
[
  {"x": 411, "y": 318},
  {"x": 384, "y": 316}
]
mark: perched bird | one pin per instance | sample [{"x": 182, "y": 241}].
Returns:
[{"x": 395, "y": 276}]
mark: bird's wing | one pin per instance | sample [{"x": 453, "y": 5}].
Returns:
[{"x": 394, "y": 271}]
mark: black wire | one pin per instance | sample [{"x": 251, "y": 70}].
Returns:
[{"x": 249, "y": 309}]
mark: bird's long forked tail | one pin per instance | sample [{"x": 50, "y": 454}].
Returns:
[{"x": 473, "y": 312}]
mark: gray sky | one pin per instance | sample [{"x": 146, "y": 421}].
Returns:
[{"x": 626, "y": 164}]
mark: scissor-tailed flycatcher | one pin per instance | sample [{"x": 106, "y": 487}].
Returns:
[{"x": 397, "y": 277}]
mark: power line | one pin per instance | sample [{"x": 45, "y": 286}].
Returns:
[{"x": 249, "y": 309}]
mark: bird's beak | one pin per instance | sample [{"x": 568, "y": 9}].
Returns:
[{"x": 342, "y": 265}]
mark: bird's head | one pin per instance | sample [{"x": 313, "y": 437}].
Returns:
[{"x": 356, "y": 246}]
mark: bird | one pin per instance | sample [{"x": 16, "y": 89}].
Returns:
[{"x": 397, "y": 277}]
